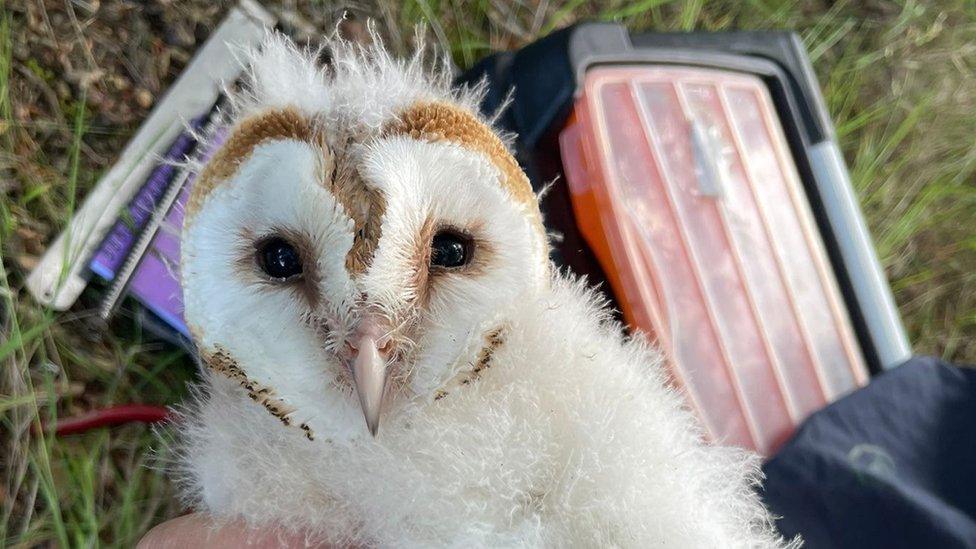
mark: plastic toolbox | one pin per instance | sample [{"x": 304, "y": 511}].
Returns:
[{"x": 697, "y": 174}]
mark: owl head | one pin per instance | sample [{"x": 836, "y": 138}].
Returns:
[{"x": 355, "y": 237}]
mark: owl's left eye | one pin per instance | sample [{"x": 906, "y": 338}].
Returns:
[
  {"x": 450, "y": 249},
  {"x": 279, "y": 259}
]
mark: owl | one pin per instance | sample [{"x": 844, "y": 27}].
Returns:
[{"x": 390, "y": 359}]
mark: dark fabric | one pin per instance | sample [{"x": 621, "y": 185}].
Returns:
[{"x": 891, "y": 465}]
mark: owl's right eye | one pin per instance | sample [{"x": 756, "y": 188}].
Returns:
[{"x": 279, "y": 259}]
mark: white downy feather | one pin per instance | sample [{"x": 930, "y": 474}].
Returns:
[{"x": 570, "y": 436}]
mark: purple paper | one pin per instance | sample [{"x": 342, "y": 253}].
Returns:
[
  {"x": 156, "y": 282},
  {"x": 114, "y": 249}
]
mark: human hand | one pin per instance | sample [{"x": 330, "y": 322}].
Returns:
[{"x": 199, "y": 530}]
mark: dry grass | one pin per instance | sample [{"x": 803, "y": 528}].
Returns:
[{"x": 77, "y": 77}]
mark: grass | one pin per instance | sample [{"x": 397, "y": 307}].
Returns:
[{"x": 899, "y": 78}]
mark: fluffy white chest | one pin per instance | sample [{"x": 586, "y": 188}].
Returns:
[{"x": 568, "y": 436}]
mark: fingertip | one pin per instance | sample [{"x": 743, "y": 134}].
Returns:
[
  {"x": 199, "y": 530},
  {"x": 170, "y": 533}
]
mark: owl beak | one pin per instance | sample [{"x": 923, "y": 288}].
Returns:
[{"x": 369, "y": 350}]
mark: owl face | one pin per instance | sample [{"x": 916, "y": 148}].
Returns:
[{"x": 347, "y": 249}]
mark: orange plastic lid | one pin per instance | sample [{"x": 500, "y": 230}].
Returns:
[{"x": 683, "y": 184}]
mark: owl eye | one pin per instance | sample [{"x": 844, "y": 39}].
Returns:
[
  {"x": 279, "y": 259},
  {"x": 450, "y": 249}
]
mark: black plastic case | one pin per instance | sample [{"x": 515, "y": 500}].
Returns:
[{"x": 540, "y": 83}]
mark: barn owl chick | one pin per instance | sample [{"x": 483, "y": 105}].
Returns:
[{"x": 390, "y": 359}]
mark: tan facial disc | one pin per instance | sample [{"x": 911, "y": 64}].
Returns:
[
  {"x": 436, "y": 122},
  {"x": 364, "y": 206},
  {"x": 272, "y": 125}
]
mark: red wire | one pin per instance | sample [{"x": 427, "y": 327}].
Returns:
[{"x": 113, "y": 415}]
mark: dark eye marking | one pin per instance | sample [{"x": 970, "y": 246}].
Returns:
[
  {"x": 450, "y": 249},
  {"x": 278, "y": 259}
]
